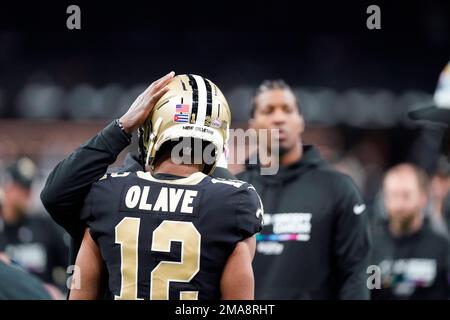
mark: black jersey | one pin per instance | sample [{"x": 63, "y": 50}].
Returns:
[{"x": 169, "y": 238}]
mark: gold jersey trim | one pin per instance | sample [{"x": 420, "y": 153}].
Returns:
[{"x": 193, "y": 179}]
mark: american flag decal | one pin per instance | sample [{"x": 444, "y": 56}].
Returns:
[{"x": 182, "y": 108}]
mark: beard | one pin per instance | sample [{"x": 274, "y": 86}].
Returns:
[
  {"x": 20, "y": 211},
  {"x": 405, "y": 223},
  {"x": 283, "y": 150}
]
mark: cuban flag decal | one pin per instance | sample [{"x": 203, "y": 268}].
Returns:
[{"x": 181, "y": 117}]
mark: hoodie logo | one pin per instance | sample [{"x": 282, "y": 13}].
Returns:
[
  {"x": 259, "y": 213},
  {"x": 359, "y": 208},
  {"x": 286, "y": 227}
]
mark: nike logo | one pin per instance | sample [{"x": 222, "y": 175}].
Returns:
[
  {"x": 358, "y": 209},
  {"x": 259, "y": 213}
]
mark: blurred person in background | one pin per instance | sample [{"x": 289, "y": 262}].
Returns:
[
  {"x": 315, "y": 242},
  {"x": 18, "y": 284},
  {"x": 439, "y": 113},
  {"x": 439, "y": 189},
  {"x": 34, "y": 242},
  {"x": 413, "y": 257}
]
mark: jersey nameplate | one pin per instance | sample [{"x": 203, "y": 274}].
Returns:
[{"x": 159, "y": 199}]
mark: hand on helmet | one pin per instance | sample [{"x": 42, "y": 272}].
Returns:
[{"x": 144, "y": 103}]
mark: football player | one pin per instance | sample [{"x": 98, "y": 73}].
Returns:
[
  {"x": 173, "y": 232},
  {"x": 70, "y": 181}
]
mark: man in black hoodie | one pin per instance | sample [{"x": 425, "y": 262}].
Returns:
[{"x": 314, "y": 244}]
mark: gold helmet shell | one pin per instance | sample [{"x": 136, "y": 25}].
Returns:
[{"x": 193, "y": 107}]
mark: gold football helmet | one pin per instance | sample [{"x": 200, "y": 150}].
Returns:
[{"x": 193, "y": 107}]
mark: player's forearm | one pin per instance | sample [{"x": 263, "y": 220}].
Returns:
[
  {"x": 70, "y": 181},
  {"x": 89, "y": 271},
  {"x": 241, "y": 286},
  {"x": 237, "y": 282},
  {"x": 85, "y": 293}
]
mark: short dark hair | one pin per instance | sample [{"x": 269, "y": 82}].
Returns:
[
  {"x": 267, "y": 85},
  {"x": 165, "y": 150}
]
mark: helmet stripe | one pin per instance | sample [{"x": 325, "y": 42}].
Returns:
[
  {"x": 208, "y": 98},
  {"x": 202, "y": 96},
  {"x": 194, "y": 110}
]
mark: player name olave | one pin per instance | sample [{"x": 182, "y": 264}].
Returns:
[{"x": 168, "y": 200}]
